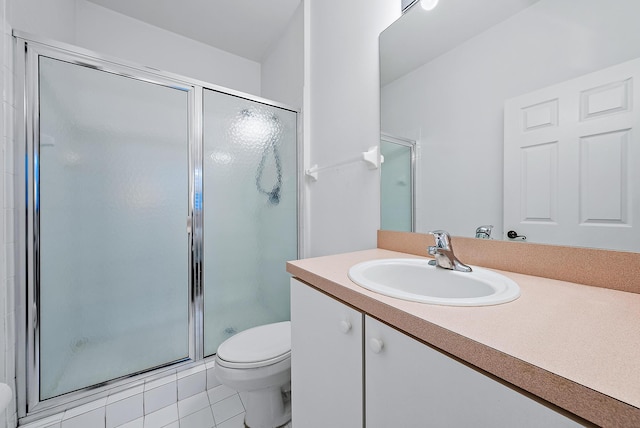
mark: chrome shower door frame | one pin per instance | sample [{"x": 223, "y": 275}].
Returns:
[{"x": 28, "y": 51}]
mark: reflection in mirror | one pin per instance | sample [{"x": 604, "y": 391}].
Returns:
[
  {"x": 397, "y": 178},
  {"x": 446, "y": 75},
  {"x": 567, "y": 152}
]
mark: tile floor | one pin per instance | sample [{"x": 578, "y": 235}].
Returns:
[
  {"x": 191, "y": 398},
  {"x": 219, "y": 407}
]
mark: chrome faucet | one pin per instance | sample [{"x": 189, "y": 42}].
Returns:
[
  {"x": 484, "y": 232},
  {"x": 443, "y": 253}
]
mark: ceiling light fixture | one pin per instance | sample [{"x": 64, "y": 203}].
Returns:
[{"x": 428, "y": 4}]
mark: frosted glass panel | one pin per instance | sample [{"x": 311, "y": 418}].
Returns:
[
  {"x": 395, "y": 187},
  {"x": 250, "y": 227},
  {"x": 113, "y": 242}
]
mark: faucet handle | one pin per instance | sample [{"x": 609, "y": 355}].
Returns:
[
  {"x": 443, "y": 252},
  {"x": 441, "y": 237},
  {"x": 438, "y": 232},
  {"x": 484, "y": 232}
]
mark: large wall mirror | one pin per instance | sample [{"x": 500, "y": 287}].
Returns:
[{"x": 450, "y": 76}]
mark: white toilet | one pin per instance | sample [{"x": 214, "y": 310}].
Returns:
[{"x": 257, "y": 363}]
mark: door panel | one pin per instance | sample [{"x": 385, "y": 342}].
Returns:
[
  {"x": 410, "y": 384},
  {"x": 112, "y": 203},
  {"x": 250, "y": 214},
  {"x": 571, "y": 153},
  {"x": 326, "y": 360}
]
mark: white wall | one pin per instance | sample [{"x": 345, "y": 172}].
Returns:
[
  {"x": 453, "y": 105},
  {"x": 54, "y": 19},
  {"x": 112, "y": 33},
  {"x": 343, "y": 90},
  {"x": 102, "y": 30},
  {"x": 282, "y": 71}
]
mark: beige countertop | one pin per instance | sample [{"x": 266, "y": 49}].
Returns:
[{"x": 576, "y": 346}]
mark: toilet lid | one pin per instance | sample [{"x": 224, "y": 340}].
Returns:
[{"x": 262, "y": 343}]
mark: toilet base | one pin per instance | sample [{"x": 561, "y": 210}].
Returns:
[
  {"x": 267, "y": 408},
  {"x": 287, "y": 425}
]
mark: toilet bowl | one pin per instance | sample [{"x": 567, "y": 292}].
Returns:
[{"x": 257, "y": 363}]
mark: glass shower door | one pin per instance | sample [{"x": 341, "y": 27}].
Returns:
[
  {"x": 112, "y": 206},
  {"x": 250, "y": 214},
  {"x": 396, "y": 184}
]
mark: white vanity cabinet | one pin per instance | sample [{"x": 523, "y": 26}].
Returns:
[
  {"x": 326, "y": 360},
  {"x": 409, "y": 384},
  {"x": 406, "y": 383}
]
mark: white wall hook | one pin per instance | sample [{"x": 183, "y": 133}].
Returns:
[
  {"x": 372, "y": 157},
  {"x": 312, "y": 173}
]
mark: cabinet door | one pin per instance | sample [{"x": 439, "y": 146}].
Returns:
[
  {"x": 409, "y": 384},
  {"x": 326, "y": 360}
]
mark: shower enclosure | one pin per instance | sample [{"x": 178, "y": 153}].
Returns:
[
  {"x": 397, "y": 183},
  {"x": 159, "y": 212}
]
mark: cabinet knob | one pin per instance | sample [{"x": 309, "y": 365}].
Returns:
[
  {"x": 345, "y": 326},
  {"x": 376, "y": 345}
]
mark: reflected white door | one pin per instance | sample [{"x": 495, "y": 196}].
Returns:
[{"x": 571, "y": 156}]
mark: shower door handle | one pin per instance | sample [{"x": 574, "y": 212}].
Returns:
[{"x": 189, "y": 224}]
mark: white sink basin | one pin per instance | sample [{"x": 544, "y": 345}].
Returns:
[{"x": 416, "y": 280}]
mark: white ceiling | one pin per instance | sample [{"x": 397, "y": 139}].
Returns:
[{"x": 247, "y": 28}]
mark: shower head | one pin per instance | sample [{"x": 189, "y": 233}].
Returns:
[{"x": 274, "y": 196}]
